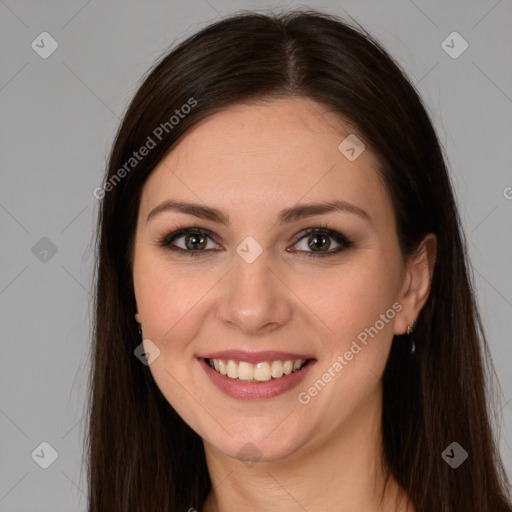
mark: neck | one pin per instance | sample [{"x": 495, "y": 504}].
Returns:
[{"x": 344, "y": 473}]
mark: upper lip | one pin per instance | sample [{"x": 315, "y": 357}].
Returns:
[{"x": 255, "y": 357}]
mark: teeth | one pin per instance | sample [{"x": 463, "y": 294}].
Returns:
[
  {"x": 287, "y": 367},
  {"x": 276, "y": 369},
  {"x": 232, "y": 370},
  {"x": 260, "y": 372},
  {"x": 245, "y": 370},
  {"x": 222, "y": 367}
]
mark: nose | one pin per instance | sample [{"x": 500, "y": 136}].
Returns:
[{"x": 256, "y": 300}]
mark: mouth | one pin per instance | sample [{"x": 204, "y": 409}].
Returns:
[
  {"x": 249, "y": 375},
  {"x": 259, "y": 372}
]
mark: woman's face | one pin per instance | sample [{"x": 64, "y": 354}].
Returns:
[{"x": 257, "y": 289}]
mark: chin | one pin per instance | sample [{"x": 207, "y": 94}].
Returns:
[{"x": 257, "y": 443}]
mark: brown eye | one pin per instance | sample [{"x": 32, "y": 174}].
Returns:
[
  {"x": 189, "y": 241},
  {"x": 317, "y": 241},
  {"x": 195, "y": 241}
]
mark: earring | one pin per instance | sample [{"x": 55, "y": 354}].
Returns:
[
  {"x": 410, "y": 330},
  {"x": 140, "y": 329}
]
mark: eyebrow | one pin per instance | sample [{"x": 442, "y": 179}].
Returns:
[{"x": 287, "y": 215}]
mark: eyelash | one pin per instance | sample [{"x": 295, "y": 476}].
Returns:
[{"x": 344, "y": 242}]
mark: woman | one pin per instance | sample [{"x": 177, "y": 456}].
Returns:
[{"x": 284, "y": 315}]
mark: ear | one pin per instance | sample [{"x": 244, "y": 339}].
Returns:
[
  {"x": 416, "y": 283},
  {"x": 137, "y": 316}
]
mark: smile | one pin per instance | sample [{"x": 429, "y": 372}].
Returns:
[
  {"x": 259, "y": 375},
  {"x": 259, "y": 372}
]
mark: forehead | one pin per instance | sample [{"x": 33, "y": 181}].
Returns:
[{"x": 281, "y": 151}]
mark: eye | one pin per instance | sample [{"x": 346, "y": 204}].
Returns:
[
  {"x": 194, "y": 241},
  {"x": 316, "y": 242}
]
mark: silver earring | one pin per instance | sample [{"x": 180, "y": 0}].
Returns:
[
  {"x": 140, "y": 329},
  {"x": 410, "y": 331}
]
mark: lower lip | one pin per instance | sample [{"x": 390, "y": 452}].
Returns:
[{"x": 244, "y": 390}]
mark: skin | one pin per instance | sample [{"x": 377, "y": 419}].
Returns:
[{"x": 253, "y": 160}]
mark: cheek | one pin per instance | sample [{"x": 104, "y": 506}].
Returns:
[
  {"x": 351, "y": 298},
  {"x": 170, "y": 301},
  {"x": 167, "y": 297},
  {"x": 357, "y": 304}
]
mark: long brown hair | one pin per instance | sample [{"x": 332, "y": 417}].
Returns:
[{"x": 141, "y": 456}]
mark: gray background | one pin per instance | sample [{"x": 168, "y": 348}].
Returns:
[{"x": 58, "y": 120}]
